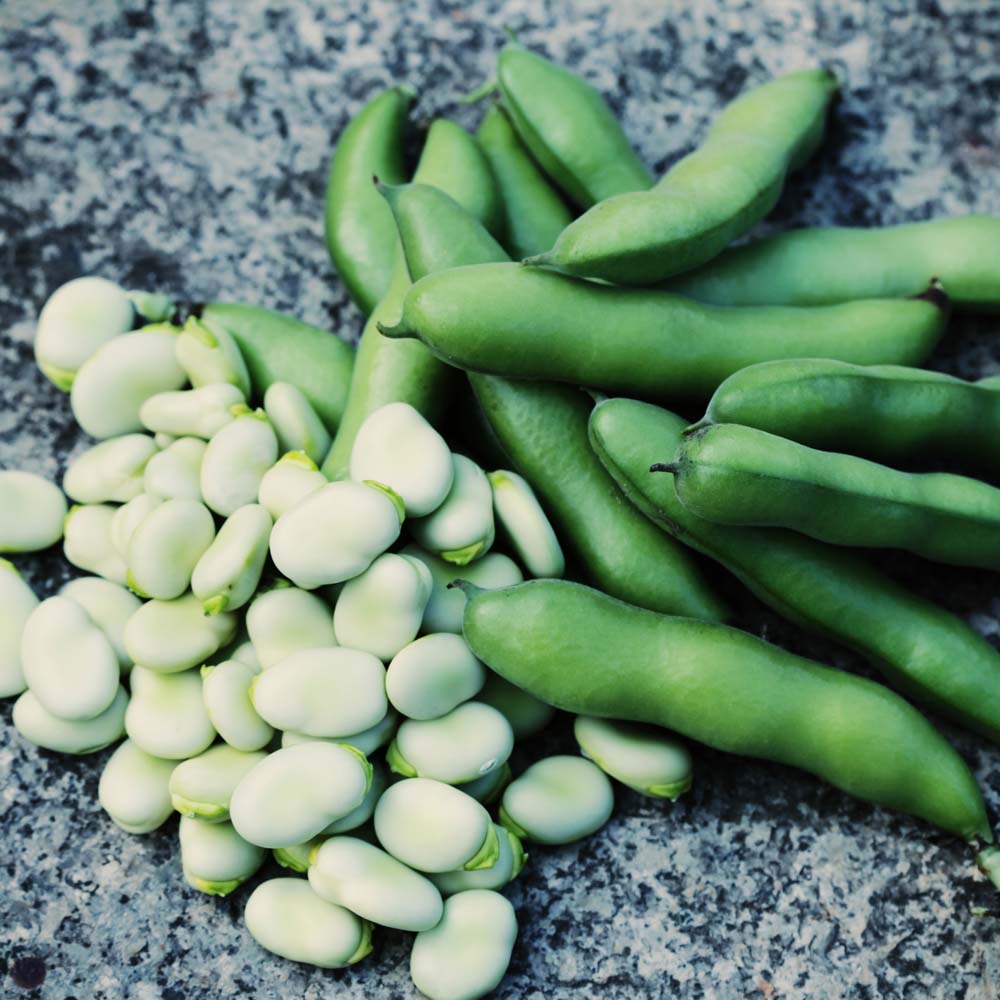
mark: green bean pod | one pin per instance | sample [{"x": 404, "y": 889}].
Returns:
[
  {"x": 390, "y": 372},
  {"x": 533, "y": 324},
  {"x": 885, "y": 412},
  {"x": 809, "y": 267},
  {"x": 737, "y": 475},
  {"x": 568, "y": 128},
  {"x": 708, "y": 198},
  {"x": 930, "y": 655},
  {"x": 360, "y": 234},
  {"x": 585, "y": 652}
]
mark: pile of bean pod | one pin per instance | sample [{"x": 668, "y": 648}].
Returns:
[{"x": 306, "y": 607}]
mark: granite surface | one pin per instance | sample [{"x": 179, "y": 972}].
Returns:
[{"x": 183, "y": 146}]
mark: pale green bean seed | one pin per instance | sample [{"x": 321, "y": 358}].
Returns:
[
  {"x": 166, "y": 546},
  {"x": 367, "y": 742},
  {"x": 470, "y": 741},
  {"x": 335, "y": 533},
  {"x": 199, "y": 413},
  {"x": 128, "y": 517},
  {"x": 525, "y": 713},
  {"x": 462, "y": 527},
  {"x": 380, "y": 610},
  {"x": 75, "y": 321},
  {"x": 209, "y": 356},
  {"x": 373, "y": 884},
  {"x": 646, "y": 759},
  {"x": 529, "y": 530},
  {"x": 166, "y": 716},
  {"x": 286, "y": 917},
  {"x": 490, "y": 786},
  {"x": 466, "y": 955},
  {"x": 175, "y": 472},
  {"x": 363, "y": 813},
  {"x": 155, "y": 307},
  {"x": 297, "y": 792},
  {"x": 110, "y": 605},
  {"x": 215, "y": 858},
  {"x": 507, "y": 867},
  {"x": 434, "y": 827},
  {"x": 226, "y": 689},
  {"x": 203, "y": 786},
  {"x": 134, "y": 789},
  {"x": 397, "y": 447},
  {"x": 87, "y": 541},
  {"x": 162, "y": 440},
  {"x": 295, "y": 421},
  {"x": 33, "y": 512},
  {"x": 227, "y": 574},
  {"x": 17, "y": 602},
  {"x": 433, "y": 675},
  {"x": 111, "y": 385},
  {"x": 46, "y": 730},
  {"x": 68, "y": 662},
  {"x": 284, "y": 620},
  {"x": 558, "y": 800},
  {"x": 245, "y": 653},
  {"x": 110, "y": 472},
  {"x": 446, "y": 606},
  {"x": 235, "y": 461},
  {"x": 171, "y": 636},
  {"x": 323, "y": 692},
  {"x": 296, "y": 857},
  {"x": 291, "y": 479}
]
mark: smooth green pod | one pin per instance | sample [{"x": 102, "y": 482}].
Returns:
[
  {"x": 507, "y": 867},
  {"x": 568, "y": 128},
  {"x": 525, "y": 524},
  {"x": 76, "y": 320},
  {"x": 134, "y": 789},
  {"x": 111, "y": 471},
  {"x": 727, "y": 689},
  {"x": 525, "y": 713},
  {"x": 737, "y": 475},
  {"x": 203, "y": 785},
  {"x": 215, "y": 858},
  {"x": 291, "y": 479},
  {"x": 558, "y": 800},
  {"x": 199, "y": 413},
  {"x": 81, "y": 736},
  {"x": 210, "y": 355},
  {"x": 295, "y": 793},
  {"x": 87, "y": 541},
  {"x": 127, "y": 518},
  {"x": 286, "y": 917},
  {"x": 363, "y": 813},
  {"x": 647, "y": 760},
  {"x": 109, "y": 606},
  {"x": 434, "y": 827},
  {"x": 836, "y": 264},
  {"x": 174, "y": 473},
  {"x": 323, "y": 692},
  {"x": 172, "y": 636},
  {"x": 284, "y": 620},
  {"x": 226, "y": 688},
  {"x": 296, "y": 423},
  {"x": 367, "y": 741},
  {"x": 381, "y": 609},
  {"x": 17, "y": 603},
  {"x": 466, "y": 955},
  {"x": 520, "y": 322},
  {"x": 469, "y": 742},
  {"x": 166, "y": 546},
  {"x": 373, "y": 884},
  {"x": 360, "y": 235},
  {"x": 166, "y": 716},
  {"x": 34, "y": 510},
  {"x": 228, "y": 571},
  {"x": 708, "y": 198},
  {"x": 235, "y": 461},
  {"x": 433, "y": 675}
]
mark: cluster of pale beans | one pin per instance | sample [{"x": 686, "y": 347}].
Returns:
[{"x": 258, "y": 634}]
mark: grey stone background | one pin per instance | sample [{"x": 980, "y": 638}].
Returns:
[{"x": 183, "y": 146}]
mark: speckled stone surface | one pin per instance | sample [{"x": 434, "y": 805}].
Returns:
[{"x": 183, "y": 146}]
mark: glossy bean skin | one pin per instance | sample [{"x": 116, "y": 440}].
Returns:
[
  {"x": 888, "y": 413},
  {"x": 534, "y": 215},
  {"x": 360, "y": 236},
  {"x": 930, "y": 655},
  {"x": 387, "y": 372},
  {"x": 709, "y": 197},
  {"x": 727, "y": 689},
  {"x": 542, "y": 428},
  {"x": 527, "y": 323},
  {"x": 279, "y": 348},
  {"x": 568, "y": 128},
  {"x": 837, "y": 264},
  {"x": 737, "y": 475}
]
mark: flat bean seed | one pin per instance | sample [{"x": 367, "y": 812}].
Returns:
[
  {"x": 87, "y": 541},
  {"x": 166, "y": 546},
  {"x": 166, "y": 716},
  {"x": 127, "y": 518},
  {"x": 507, "y": 867},
  {"x": 109, "y": 606},
  {"x": 134, "y": 789},
  {"x": 211, "y": 355},
  {"x": 291, "y": 479},
  {"x": 367, "y": 741},
  {"x": 296, "y": 857},
  {"x": 83, "y": 736},
  {"x": 285, "y": 620},
  {"x": 433, "y": 675},
  {"x": 33, "y": 512},
  {"x": 17, "y": 602},
  {"x": 215, "y": 858},
  {"x": 296, "y": 423},
  {"x": 199, "y": 413},
  {"x": 226, "y": 690},
  {"x": 363, "y": 813},
  {"x": 462, "y": 528},
  {"x": 175, "y": 472},
  {"x": 110, "y": 471},
  {"x": 235, "y": 461},
  {"x": 203, "y": 785},
  {"x": 228, "y": 572},
  {"x": 529, "y": 530},
  {"x": 171, "y": 636}
]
